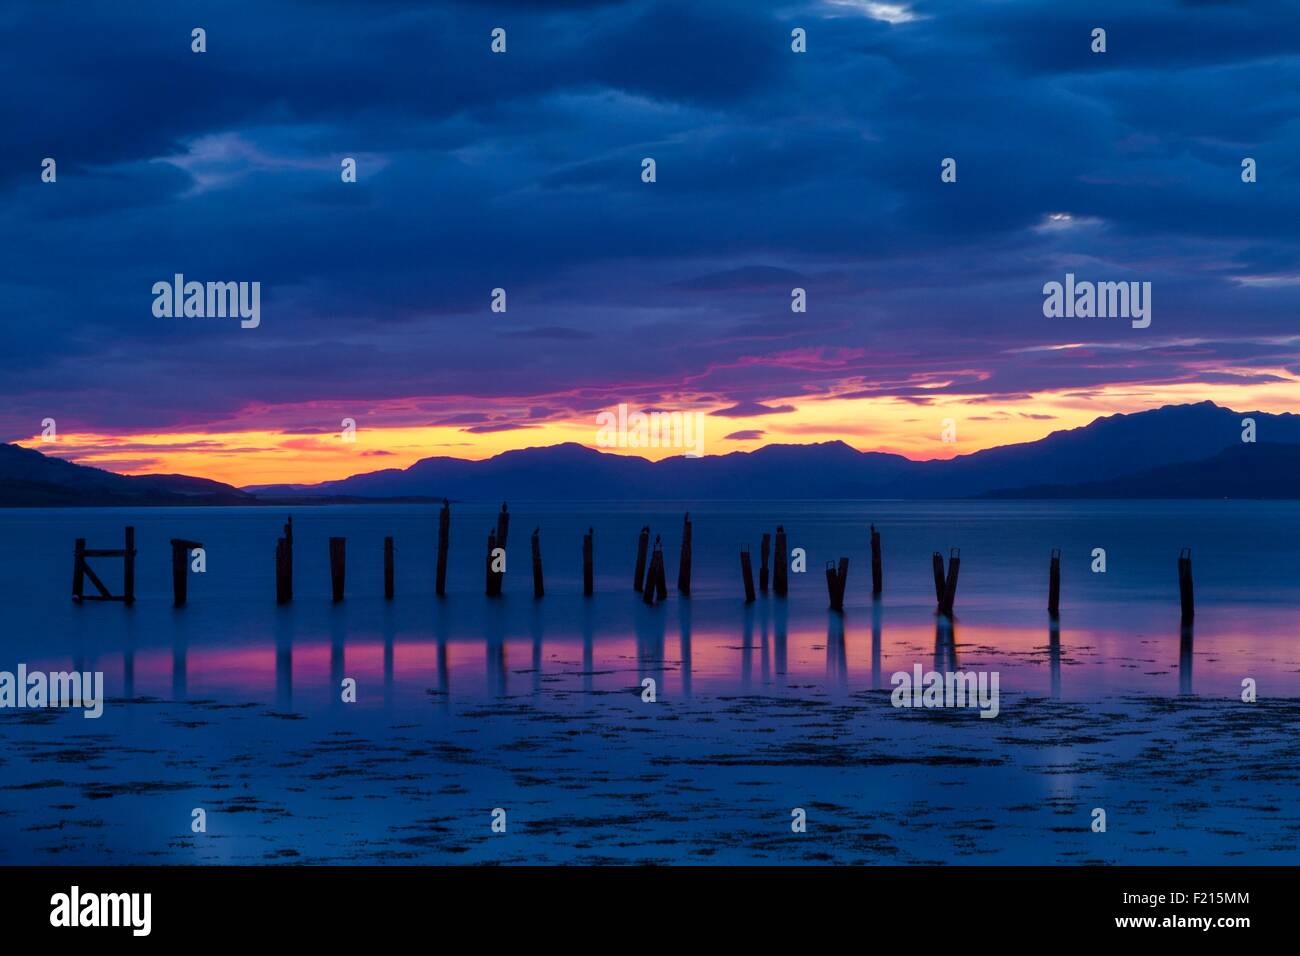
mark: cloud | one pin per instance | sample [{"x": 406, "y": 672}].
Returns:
[
  {"x": 752, "y": 409},
  {"x": 748, "y": 434}
]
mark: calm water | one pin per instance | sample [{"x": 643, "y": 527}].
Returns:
[{"x": 465, "y": 704}]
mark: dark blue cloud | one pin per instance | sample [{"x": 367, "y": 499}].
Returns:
[{"x": 523, "y": 172}]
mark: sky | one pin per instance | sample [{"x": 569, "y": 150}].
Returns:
[{"x": 522, "y": 171}]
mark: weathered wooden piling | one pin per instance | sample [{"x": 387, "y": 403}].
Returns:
[
  {"x": 684, "y": 565},
  {"x": 282, "y": 592},
  {"x": 877, "y": 575},
  {"x": 180, "y": 569},
  {"x": 489, "y": 585},
  {"x": 338, "y": 562},
  {"x": 837, "y": 578},
  {"x": 444, "y": 535},
  {"x": 78, "y": 568},
  {"x": 780, "y": 567},
  {"x": 503, "y": 526},
  {"x": 388, "y": 569},
  {"x": 950, "y": 586},
  {"x": 1185, "y": 584},
  {"x": 747, "y": 575},
  {"x": 588, "y": 577},
  {"x": 81, "y": 570},
  {"x": 288, "y": 563},
  {"x": 642, "y": 544},
  {"x": 940, "y": 582},
  {"x": 1054, "y": 583},
  {"x": 538, "y": 589},
  {"x": 764, "y": 549},
  {"x": 650, "y": 590},
  {"x": 659, "y": 575},
  {"x": 128, "y": 568}
]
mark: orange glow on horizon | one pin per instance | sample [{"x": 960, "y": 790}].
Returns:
[{"x": 257, "y": 457}]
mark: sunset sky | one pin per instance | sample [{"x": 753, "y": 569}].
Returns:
[{"x": 522, "y": 171}]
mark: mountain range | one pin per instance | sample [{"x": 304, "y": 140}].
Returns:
[{"x": 1176, "y": 451}]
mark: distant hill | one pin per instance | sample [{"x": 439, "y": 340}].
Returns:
[
  {"x": 1110, "y": 448},
  {"x": 1176, "y": 451},
  {"x": 1245, "y": 471},
  {"x": 30, "y": 479}
]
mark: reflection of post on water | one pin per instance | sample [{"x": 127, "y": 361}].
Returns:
[
  {"x": 1185, "y": 657},
  {"x": 1054, "y": 655},
  {"x": 875, "y": 644},
  {"x": 684, "y": 627},
  {"x": 837, "y": 666},
  {"x": 780, "y": 639},
  {"x": 945, "y": 644},
  {"x": 747, "y": 648}
]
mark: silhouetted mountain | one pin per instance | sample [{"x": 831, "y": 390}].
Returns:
[
  {"x": 30, "y": 479},
  {"x": 1261, "y": 471},
  {"x": 1109, "y": 448},
  {"x": 1115, "y": 456}
]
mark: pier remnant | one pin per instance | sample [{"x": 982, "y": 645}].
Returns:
[
  {"x": 950, "y": 586},
  {"x": 764, "y": 548},
  {"x": 642, "y": 544},
  {"x": 588, "y": 577},
  {"x": 444, "y": 534},
  {"x": 660, "y": 577},
  {"x": 81, "y": 570},
  {"x": 747, "y": 574},
  {"x": 684, "y": 565},
  {"x": 489, "y": 584},
  {"x": 837, "y": 577},
  {"x": 940, "y": 582},
  {"x": 338, "y": 562},
  {"x": 877, "y": 576},
  {"x": 284, "y": 564},
  {"x": 538, "y": 589},
  {"x": 180, "y": 569},
  {"x": 388, "y": 569},
  {"x": 1054, "y": 584},
  {"x": 1185, "y": 584},
  {"x": 654, "y": 590}
]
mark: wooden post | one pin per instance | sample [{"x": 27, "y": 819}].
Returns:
[
  {"x": 388, "y": 569},
  {"x": 488, "y": 587},
  {"x": 180, "y": 569},
  {"x": 1054, "y": 583},
  {"x": 747, "y": 575},
  {"x": 877, "y": 582},
  {"x": 282, "y": 595},
  {"x": 1185, "y": 584},
  {"x": 684, "y": 566},
  {"x": 503, "y": 526},
  {"x": 950, "y": 587},
  {"x": 940, "y": 584},
  {"x": 128, "y": 569},
  {"x": 780, "y": 565},
  {"x": 765, "y": 546},
  {"x": 288, "y": 557},
  {"x": 538, "y": 590},
  {"x": 78, "y": 569},
  {"x": 588, "y": 578},
  {"x": 660, "y": 578},
  {"x": 648, "y": 591},
  {"x": 642, "y": 544},
  {"x": 338, "y": 559},
  {"x": 444, "y": 533},
  {"x": 836, "y": 582}
]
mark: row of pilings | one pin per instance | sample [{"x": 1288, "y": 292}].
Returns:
[{"x": 649, "y": 578}]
